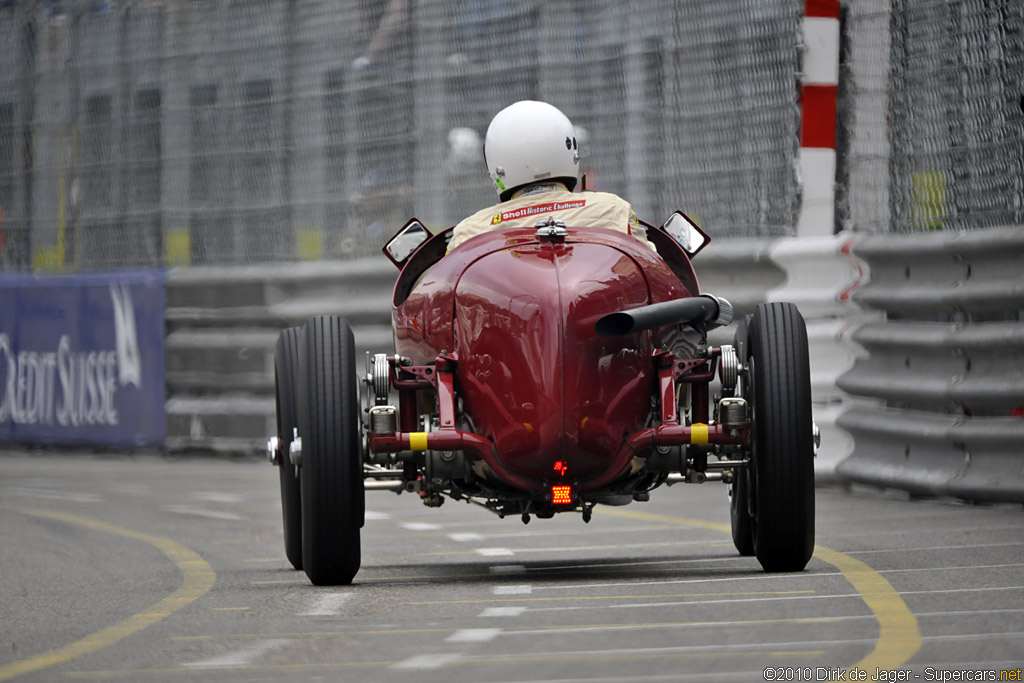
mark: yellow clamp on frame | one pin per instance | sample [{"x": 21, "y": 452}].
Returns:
[
  {"x": 698, "y": 433},
  {"x": 418, "y": 441}
]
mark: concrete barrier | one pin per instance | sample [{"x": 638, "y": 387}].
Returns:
[{"x": 821, "y": 274}]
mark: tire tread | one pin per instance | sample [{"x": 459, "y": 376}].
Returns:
[{"x": 784, "y": 468}]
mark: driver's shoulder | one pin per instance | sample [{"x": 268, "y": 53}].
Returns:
[
  {"x": 607, "y": 197},
  {"x": 487, "y": 213}
]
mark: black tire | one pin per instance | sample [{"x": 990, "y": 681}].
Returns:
[
  {"x": 740, "y": 503},
  {"x": 331, "y": 468},
  {"x": 782, "y": 480},
  {"x": 286, "y": 375}
]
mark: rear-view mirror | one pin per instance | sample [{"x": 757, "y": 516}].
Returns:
[
  {"x": 404, "y": 244},
  {"x": 684, "y": 231}
]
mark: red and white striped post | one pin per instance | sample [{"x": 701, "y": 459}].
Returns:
[{"x": 817, "y": 156}]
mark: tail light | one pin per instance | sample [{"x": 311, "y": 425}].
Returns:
[{"x": 561, "y": 495}]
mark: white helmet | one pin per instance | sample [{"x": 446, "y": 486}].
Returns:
[{"x": 528, "y": 142}]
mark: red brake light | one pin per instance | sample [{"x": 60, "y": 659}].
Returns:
[{"x": 561, "y": 495}]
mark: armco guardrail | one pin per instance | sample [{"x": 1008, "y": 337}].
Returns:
[
  {"x": 741, "y": 270},
  {"x": 945, "y": 371},
  {"x": 222, "y": 325}
]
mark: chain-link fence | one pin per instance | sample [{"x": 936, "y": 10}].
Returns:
[
  {"x": 153, "y": 132},
  {"x": 935, "y": 114}
]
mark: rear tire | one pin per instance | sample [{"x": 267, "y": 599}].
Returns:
[
  {"x": 286, "y": 375},
  {"x": 331, "y": 468},
  {"x": 739, "y": 489},
  {"x": 782, "y": 475}
]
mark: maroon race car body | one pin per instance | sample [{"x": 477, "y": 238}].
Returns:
[
  {"x": 536, "y": 379},
  {"x": 546, "y": 370}
]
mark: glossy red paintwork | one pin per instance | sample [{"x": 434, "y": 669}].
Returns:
[{"x": 517, "y": 315}]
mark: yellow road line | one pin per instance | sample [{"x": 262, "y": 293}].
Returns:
[
  {"x": 197, "y": 579},
  {"x": 899, "y": 636}
]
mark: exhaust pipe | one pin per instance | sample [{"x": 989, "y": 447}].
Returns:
[{"x": 713, "y": 310}]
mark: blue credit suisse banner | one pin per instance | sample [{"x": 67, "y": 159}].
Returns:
[{"x": 82, "y": 359}]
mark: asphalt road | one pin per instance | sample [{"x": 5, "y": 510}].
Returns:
[{"x": 153, "y": 569}]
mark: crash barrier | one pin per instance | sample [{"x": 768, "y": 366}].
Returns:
[
  {"x": 82, "y": 359},
  {"x": 223, "y": 323},
  {"x": 943, "y": 374}
]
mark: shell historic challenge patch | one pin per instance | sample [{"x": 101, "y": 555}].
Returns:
[{"x": 527, "y": 211}]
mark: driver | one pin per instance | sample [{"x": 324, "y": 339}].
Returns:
[{"x": 532, "y": 156}]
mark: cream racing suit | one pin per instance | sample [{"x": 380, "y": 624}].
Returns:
[{"x": 553, "y": 200}]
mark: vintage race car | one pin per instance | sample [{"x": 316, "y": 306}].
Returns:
[{"x": 540, "y": 371}]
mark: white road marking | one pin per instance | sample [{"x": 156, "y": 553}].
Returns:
[
  {"x": 200, "y": 512},
  {"x": 679, "y": 649},
  {"x": 507, "y": 569},
  {"x": 327, "y": 605},
  {"x": 420, "y": 662},
  {"x": 494, "y": 552},
  {"x": 967, "y": 612},
  {"x": 657, "y": 678},
  {"x": 944, "y": 569},
  {"x": 217, "y": 497},
  {"x": 685, "y": 625},
  {"x": 242, "y": 657},
  {"x": 502, "y": 612},
  {"x": 512, "y": 590},
  {"x": 132, "y": 489},
  {"x": 532, "y": 533},
  {"x": 934, "y": 547},
  {"x": 420, "y": 526},
  {"x": 939, "y": 527},
  {"x": 766, "y": 577},
  {"x": 466, "y": 537},
  {"x": 473, "y": 635},
  {"x": 707, "y": 624},
  {"x": 647, "y": 605},
  {"x": 666, "y": 582},
  {"x": 616, "y": 565},
  {"x": 52, "y": 494},
  {"x": 623, "y": 546},
  {"x": 374, "y": 515}
]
